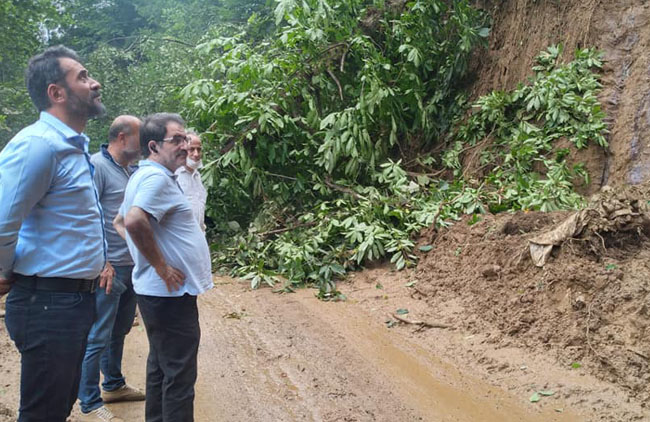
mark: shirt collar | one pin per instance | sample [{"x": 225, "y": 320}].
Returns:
[
  {"x": 104, "y": 150},
  {"x": 79, "y": 140},
  {"x": 182, "y": 169},
  {"x": 149, "y": 163}
]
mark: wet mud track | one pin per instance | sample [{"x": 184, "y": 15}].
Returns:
[
  {"x": 267, "y": 357},
  {"x": 270, "y": 357}
]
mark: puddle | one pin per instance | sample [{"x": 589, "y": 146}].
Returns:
[{"x": 437, "y": 391}]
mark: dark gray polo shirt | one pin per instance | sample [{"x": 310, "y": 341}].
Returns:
[{"x": 111, "y": 179}]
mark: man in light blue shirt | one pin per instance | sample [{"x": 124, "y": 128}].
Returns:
[
  {"x": 172, "y": 267},
  {"x": 52, "y": 246}
]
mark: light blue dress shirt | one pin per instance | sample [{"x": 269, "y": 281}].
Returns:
[
  {"x": 50, "y": 216},
  {"x": 153, "y": 188}
]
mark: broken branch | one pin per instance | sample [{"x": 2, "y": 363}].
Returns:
[
  {"x": 338, "y": 84},
  {"x": 425, "y": 324}
]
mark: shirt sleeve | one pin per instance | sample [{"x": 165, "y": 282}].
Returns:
[
  {"x": 27, "y": 168},
  {"x": 151, "y": 195}
]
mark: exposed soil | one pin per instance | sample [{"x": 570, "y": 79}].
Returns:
[
  {"x": 574, "y": 329},
  {"x": 266, "y": 357},
  {"x": 619, "y": 28},
  {"x": 588, "y": 307}
]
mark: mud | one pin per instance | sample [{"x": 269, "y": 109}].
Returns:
[
  {"x": 266, "y": 357},
  {"x": 587, "y": 308}
]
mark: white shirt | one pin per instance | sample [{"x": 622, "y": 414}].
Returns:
[{"x": 194, "y": 191}]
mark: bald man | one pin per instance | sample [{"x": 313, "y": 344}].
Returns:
[{"x": 115, "y": 301}]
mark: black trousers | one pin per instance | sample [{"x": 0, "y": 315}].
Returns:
[
  {"x": 172, "y": 325},
  {"x": 50, "y": 330}
]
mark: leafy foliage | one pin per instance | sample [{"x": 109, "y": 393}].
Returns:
[
  {"x": 312, "y": 123},
  {"x": 523, "y": 169},
  {"x": 25, "y": 30},
  {"x": 329, "y": 124},
  {"x": 317, "y": 126},
  {"x": 142, "y": 51}
]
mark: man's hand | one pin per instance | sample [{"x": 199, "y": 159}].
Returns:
[
  {"x": 138, "y": 226},
  {"x": 106, "y": 277},
  {"x": 5, "y": 285},
  {"x": 173, "y": 278}
]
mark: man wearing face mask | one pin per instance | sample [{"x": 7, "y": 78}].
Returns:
[
  {"x": 189, "y": 179},
  {"x": 115, "y": 304}
]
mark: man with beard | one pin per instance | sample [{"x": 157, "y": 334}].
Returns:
[
  {"x": 115, "y": 304},
  {"x": 52, "y": 246},
  {"x": 189, "y": 179},
  {"x": 172, "y": 267}
]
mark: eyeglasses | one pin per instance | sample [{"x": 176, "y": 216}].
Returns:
[{"x": 177, "y": 140}]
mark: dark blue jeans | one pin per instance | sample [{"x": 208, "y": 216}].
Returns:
[
  {"x": 50, "y": 331},
  {"x": 173, "y": 330},
  {"x": 115, "y": 313}
]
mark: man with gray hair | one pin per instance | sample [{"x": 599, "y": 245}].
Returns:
[
  {"x": 52, "y": 247},
  {"x": 115, "y": 303},
  {"x": 172, "y": 267},
  {"x": 189, "y": 178}
]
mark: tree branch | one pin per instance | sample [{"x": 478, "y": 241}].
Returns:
[
  {"x": 434, "y": 174},
  {"x": 167, "y": 39},
  {"x": 330, "y": 184},
  {"x": 287, "y": 229},
  {"x": 337, "y": 83},
  {"x": 343, "y": 58},
  {"x": 281, "y": 176},
  {"x": 424, "y": 324}
]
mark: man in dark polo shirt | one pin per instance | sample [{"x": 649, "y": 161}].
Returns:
[
  {"x": 52, "y": 246},
  {"x": 115, "y": 303}
]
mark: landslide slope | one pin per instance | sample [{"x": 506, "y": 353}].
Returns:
[{"x": 619, "y": 28}]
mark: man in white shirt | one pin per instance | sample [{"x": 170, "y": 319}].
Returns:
[{"x": 189, "y": 179}]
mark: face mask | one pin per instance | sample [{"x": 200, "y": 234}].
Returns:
[{"x": 193, "y": 164}]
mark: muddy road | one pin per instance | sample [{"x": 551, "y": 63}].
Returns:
[{"x": 270, "y": 357}]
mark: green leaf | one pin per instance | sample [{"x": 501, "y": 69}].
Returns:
[
  {"x": 425, "y": 248},
  {"x": 475, "y": 219},
  {"x": 546, "y": 393},
  {"x": 535, "y": 397},
  {"x": 402, "y": 311},
  {"x": 484, "y": 32}
]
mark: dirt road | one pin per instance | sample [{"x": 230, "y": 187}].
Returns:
[{"x": 267, "y": 357}]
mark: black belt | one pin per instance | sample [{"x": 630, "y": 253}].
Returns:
[{"x": 56, "y": 284}]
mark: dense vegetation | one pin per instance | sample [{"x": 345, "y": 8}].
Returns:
[
  {"x": 336, "y": 130},
  {"x": 142, "y": 51}
]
